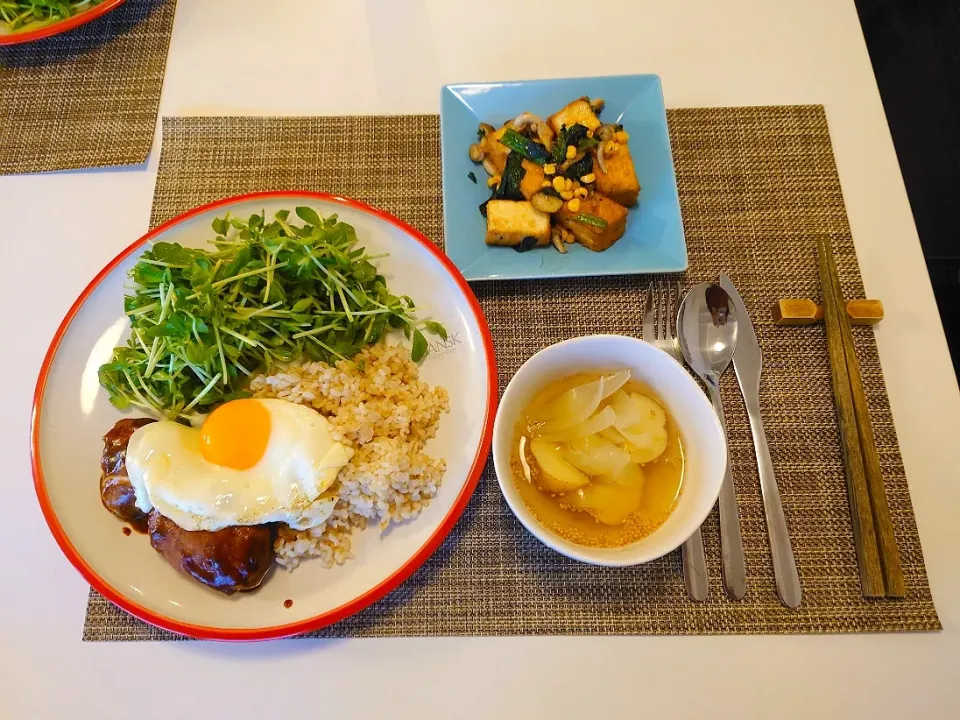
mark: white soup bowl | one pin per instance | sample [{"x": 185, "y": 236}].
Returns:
[{"x": 703, "y": 440}]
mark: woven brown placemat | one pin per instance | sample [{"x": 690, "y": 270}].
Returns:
[
  {"x": 88, "y": 97},
  {"x": 756, "y": 185}
]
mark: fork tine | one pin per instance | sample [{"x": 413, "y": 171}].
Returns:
[
  {"x": 674, "y": 291},
  {"x": 663, "y": 313},
  {"x": 671, "y": 306},
  {"x": 676, "y": 308},
  {"x": 649, "y": 317},
  {"x": 668, "y": 311}
]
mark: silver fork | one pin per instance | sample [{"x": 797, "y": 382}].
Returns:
[{"x": 659, "y": 319}]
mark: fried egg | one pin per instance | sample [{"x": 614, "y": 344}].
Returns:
[{"x": 252, "y": 461}]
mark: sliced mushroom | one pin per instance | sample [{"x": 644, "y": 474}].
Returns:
[
  {"x": 489, "y": 168},
  {"x": 547, "y": 202},
  {"x": 524, "y": 120},
  {"x": 606, "y": 132},
  {"x": 557, "y": 239},
  {"x": 598, "y": 104},
  {"x": 545, "y": 133},
  {"x": 565, "y": 165},
  {"x": 476, "y": 153}
]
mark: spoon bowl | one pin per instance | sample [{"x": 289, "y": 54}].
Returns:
[{"x": 707, "y": 330}]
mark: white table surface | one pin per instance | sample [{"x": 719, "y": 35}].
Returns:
[{"x": 312, "y": 57}]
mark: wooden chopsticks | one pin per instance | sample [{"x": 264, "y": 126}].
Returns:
[{"x": 877, "y": 554}]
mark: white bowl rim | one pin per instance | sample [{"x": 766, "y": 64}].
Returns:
[
  {"x": 583, "y": 553},
  {"x": 349, "y": 608}
]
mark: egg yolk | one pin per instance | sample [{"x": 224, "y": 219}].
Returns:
[{"x": 235, "y": 435}]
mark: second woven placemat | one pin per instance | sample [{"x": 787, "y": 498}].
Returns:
[
  {"x": 756, "y": 187},
  {"x": 88, "y": 97}
]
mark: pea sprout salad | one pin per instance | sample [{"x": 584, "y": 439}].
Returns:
[
  {"x": 268, "y": 293},
  {"x": 19, "y": 14}
]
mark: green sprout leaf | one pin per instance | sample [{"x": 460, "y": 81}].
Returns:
[
  {"x": 203, "y": 321},
  {"x": 419, "y": 346},
  {"x": 436, "y": 328},
  {"x": 309, "y": 215}
]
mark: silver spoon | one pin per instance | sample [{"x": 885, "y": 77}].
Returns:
[{"x": 707, "y": 330}]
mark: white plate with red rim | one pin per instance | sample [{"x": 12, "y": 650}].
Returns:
[
  {"x": 71, "y": 413},
  {"x": 39, "y": 30}
]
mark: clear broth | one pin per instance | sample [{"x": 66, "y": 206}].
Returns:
[{"x": 663, "y": 481}]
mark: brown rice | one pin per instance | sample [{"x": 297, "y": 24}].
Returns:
[{"x": 377, "y": 405}]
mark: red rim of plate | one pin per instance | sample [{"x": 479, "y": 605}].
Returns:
[
  {"x": 358, "y": 603},
  {"x": 61, "y": 26}
]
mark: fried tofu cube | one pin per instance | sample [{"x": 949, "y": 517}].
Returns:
[
  {"x": 590, "y": 236},
  {"x": 510, "y": 222},
  {"x": 619, "y": 182},
  {"x": 577, "y": 112},
  {"x": 533, "y": 178},
  {"x": 494, "y": 150}
]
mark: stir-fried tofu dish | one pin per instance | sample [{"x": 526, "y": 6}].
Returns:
[{"x": 569, "y": 178}]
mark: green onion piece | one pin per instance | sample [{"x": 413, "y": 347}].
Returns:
[
  {"x": 532, "y": 151},
  {"x": 590, "y": 220}
]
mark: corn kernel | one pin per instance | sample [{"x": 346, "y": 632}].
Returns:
[
  {"x": 589, "y": 133},
  {"x": 571, "y": 152},
  {"x": 580, "y": 193},
  {"x": 621, "y": 136},
  {"x": 588, "y": 178},
  {"x": 567, "y": 184},
  {"x": 574, "y": 205},
  {"x": 492, "y": 181},
  {"x": 558, "y": 184},
  {"x": 612, "y": 148},
  {"x": 546, "y": 184},
  {"x": 550, "y": 169},
  {"x": 567, "y": 195}
]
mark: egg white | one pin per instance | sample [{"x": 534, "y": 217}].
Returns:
[{"x": 291, "y": 482}]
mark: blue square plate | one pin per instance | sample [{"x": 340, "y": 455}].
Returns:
[{"x": 654, "y": 240}]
